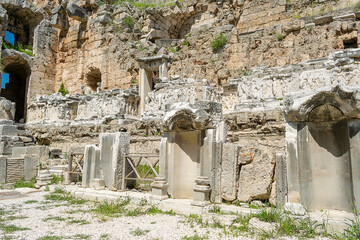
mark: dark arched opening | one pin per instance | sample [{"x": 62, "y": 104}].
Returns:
[
  {"x": 93, "y": 78},
  {"x": 16, "y": 65},
  {"x": 15, "y": 89}
]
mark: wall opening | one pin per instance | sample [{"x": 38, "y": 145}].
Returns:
[
  {"x": 15, "y": 89},
  {"x": 350, "y": 43},
  {"x": 93, "y": 79}
]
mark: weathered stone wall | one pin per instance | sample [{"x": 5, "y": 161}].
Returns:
[
  {"x": 83, "y": 109},
  {"x": 15, "y": 169}
]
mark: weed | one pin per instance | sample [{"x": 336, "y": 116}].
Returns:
[
  {"x": 172, "y": 49},
  {"x": 134, "y": 213},
  {"x": 47, "y": 189},
  {"x": 357, "y": 7},
  {"x": 112, "y": 209},
  {"x": 272, "y": 215},
  {"x": 55, "y": 179},
  {"x": 155, "y": 210},
  {"x": 18, "y": 47},
  {"x": 80, "y": 222},
  {"x": 353, "y": 231},
  {"x": 280, "y": 37},
  {"x": 64, "y": 197},
  {"x": 22, "y": 183},
  {"x": 81, "y": 236},
  {"x": 195, "y": 237},
  {"x": 215, "y": 209},
  {"x": 48, "y": 237},
  {"x": 104, "y": 237},
  {"x": 12, "y": 228},
  {"x": 55, "y": 218},
  {"x": 218, "y": 43},
  {"x": 59, "y": 190},
  {"x": 128, "y": 22},
  {"x": 139, "y": 232},
  {"x": 143, "y": 201},
  {"x": 30, "y": 201},
  {"x": 63, "y": 90}
]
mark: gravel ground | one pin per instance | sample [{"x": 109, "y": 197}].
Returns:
[{"x": 44, "y": 219}]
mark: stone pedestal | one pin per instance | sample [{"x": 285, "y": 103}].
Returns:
[
  {"x": 202, "y": 192},
  {"x": 159, "y": 189},
  {"x": 44, "y": 178},
  {"x": 98, "y": 184}
]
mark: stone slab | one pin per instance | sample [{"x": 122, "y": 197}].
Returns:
[
  {"x": 230, "y": 169},
  {"x": 8, "y": 130},
  {"x": 3, "y": 162}
]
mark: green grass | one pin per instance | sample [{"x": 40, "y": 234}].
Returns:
[
  {"x": 155, "y": 210},
  {"x": 271, "y": 215},
  {"x": 30, "y": 201},
  {"x": 218, "y": 43},
  {"x": 18, "y": 47},
  {"x": 64, "y": 196},
  {"x": 79, "y": 221},
  {"x": 139, "y": 232},
  {"x": 195, "y": 237},
  {"x": 128, "y": 22},
  {"x": 112, "y": 209},
  {"x": 55, "y": 179},
  {"x": 22, "y": 183},
  {"x": 49, "y": 237},
  {"x": 12, "y": 228},
  {"x": 55, "y": 218},
  {"x": 353, "y": 231},
  {"x": 357, "y": 6}
]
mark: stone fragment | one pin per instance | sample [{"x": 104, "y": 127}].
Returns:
[
  {"x": 31, "y": 163},
  {"x": 3, "y": 167},
  {"x": 8, "y": 130},
  {"x": 295, "y": 209},
  {"x": 113, "y": 148},
  {"x": 159, "y": 189},
  {"x": 229, "y": 169},
  {"x": 92, "y": 166},
  {"x": 255, "y": 179},
  {"x": 76, "y": 12},
  {"x": 346, "y": 17},
  {"x": 323, "y": 19}
]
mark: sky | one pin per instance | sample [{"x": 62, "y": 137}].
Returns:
[{"x": 9, "y": 37}]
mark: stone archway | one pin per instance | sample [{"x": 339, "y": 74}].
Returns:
[
  {"x": 18, "y": 66},
  {"x": 93, "y": 78},
  {"x": 323, "y": 147}
]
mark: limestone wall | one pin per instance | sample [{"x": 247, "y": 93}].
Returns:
[{"x": 270, "y": 33}]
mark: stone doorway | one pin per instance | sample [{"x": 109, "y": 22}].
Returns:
[{"x": 323, "y": 149}]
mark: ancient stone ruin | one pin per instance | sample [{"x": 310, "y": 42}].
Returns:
[{"x": 212, "y": 101}]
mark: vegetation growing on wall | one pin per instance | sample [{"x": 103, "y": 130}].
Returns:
[
  {"x": 63, "y": 90},
  {"x": 218, "y": 43},
  {"x": 19, "y": 47}
]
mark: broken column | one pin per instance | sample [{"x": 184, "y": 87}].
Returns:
[
  {"x": 114, "y": 147},
  {"x": 92, "y": 168}
]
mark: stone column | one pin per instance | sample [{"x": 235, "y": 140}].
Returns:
[
  {"x": 201, "y": 192},
  {"x": 92, "y": 168},
  {"x": 3, "y": 167},
  {"x": 354, "y": 134},
  {"x": 292, "y": 167},
  {"x": 281, "y": 185}
]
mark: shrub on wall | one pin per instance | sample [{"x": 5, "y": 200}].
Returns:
[
  {"x": 218, "y": 43},
  {"x": 62, "y": 90}
]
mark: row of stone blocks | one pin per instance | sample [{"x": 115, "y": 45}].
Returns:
[{"x": 103, "y": 165}]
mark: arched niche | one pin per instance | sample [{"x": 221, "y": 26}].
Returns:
[
  {"x": 323, "y": 148},
  {"x": 93, "y": 78},
  {"x": 18, "y": 66}
]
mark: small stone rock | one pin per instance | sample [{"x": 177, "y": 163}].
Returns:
[{"x": 295, "y": 209}]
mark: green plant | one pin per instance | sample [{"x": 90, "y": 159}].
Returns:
[
  {"x": 357, "y": 6},
  {"x": 280, "y": 37},
  {"x": 63, "y": 90},
  {"x": 172, "y": 49},
  {"x": 139, "y": 232},
  {"x": 30, "y": 201},
  {"x": 143, "y": 201},
  {"x": 112, "y": 209},
  {"x": 128, "y": 22},
  {"x": 21, "y": 183},
  {"x": 218, "y": 43},
  {"x": 215, "y": 209},
  {"x": 55, "y": 179},
  {"x": 12, "y": 228},
  {"x": 272, "y": 215},
  {"x": 18, "y": 47},
  {"x": 60, "y": 195},
  {"x": 353, "y": 231}
]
